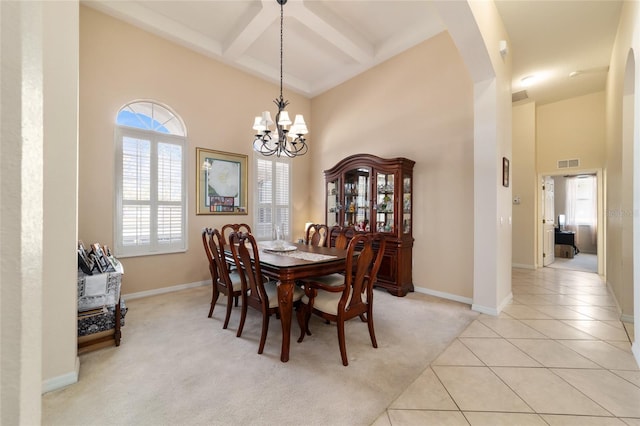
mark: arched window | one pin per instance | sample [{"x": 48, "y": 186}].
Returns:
[{"x": 151, "y": 206}]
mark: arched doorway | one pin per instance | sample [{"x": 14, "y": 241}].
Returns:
[{"x": 631, "y": 203}]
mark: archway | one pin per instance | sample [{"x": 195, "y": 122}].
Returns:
[{"x": 631, "y": 188}]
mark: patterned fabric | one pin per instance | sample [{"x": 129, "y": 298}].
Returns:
[
  {"x": 101, "y": 322},
  {"x": 98, "y": 290}
]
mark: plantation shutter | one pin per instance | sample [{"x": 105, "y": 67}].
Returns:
[{"x": 272, "y": 197}]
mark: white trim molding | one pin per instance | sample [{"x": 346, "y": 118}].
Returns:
[
  {"x": 164, "y": 290},
  {"x": 443, "y": 295},
  {"x": 491, "y": 311},
  {"x": 62, "y": 381}
]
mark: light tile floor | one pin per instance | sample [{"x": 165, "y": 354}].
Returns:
[{"x": 557, "y": 355}]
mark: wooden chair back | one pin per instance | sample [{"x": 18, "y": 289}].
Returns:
[
  {"x": 361, "y": 273},
  {"x": 234, "y": 227},
  {"x": 245, "y": 252},
  {"x": 317, "y": 235},
  {"x": 206, "y": 237},
  {"x": 339, "y": 236},
  {"x": 221, "y": 280},
  {"x": 217, "y": 245}
]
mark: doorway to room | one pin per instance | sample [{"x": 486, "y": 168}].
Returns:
[{"x": 570, "y": 218}]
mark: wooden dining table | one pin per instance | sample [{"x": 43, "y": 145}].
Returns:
[{"x": 287, "y": 268}]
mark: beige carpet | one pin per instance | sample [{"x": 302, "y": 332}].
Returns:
[
  {"x": 177, "y": 367},
  {"x": 580, "y": 262}
]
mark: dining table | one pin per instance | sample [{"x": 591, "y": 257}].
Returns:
[{"x": 289, "y": 263}]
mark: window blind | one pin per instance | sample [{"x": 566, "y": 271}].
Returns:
[{"x": 272, "y": 195}]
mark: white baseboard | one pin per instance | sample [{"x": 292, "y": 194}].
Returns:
[
  {"x": 493, "y": 311},
  {"x": 60, "y": 382},
  {"x": 163, "y": 290},
  {"x": 523, "y": 266},
  {"x": 627, "y": 318},
  {"x": 484, "y": 310},
  {"x": 505, "y": 302},
  {"x": 443, "y": 295}
]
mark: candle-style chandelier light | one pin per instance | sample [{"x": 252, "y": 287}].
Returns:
[{"x": 288, "y": 138}]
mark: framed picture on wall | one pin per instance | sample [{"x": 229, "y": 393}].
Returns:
[
  {"x": 222, "y": 182},
  {"x": 505, "y": 172}
]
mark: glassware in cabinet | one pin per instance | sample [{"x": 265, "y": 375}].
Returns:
[
  {"x": 333, "y": 205},
  {"x": 356, "y": 198},
  {"x": 406, "y": 204},
  {"x": 385, "y": 202}
]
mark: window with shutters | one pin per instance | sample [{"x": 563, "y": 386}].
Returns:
[
  {"x": 151, "y": 207},
  {"x": 272, "y": 200}
]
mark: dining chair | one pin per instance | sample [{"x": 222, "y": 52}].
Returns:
[
  {"x": 353, "y": 298},
  {"x": 258, "y": 293},
  {"x": 222, "y": 280},
  {"x": 317, "y": 235},
  {"x": 339, "y": 237},
  {"x": 228, "y": 229},
  {"x": 234, "y": 227}
]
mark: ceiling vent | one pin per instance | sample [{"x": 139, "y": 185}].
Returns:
[
  {"x": 565, "y": 164},
  {"x": 519, "y": 96}
]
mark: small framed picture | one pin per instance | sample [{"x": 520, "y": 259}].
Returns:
[
  {"x": 221, "y": 185},
  {"x": 505, "y": 172}
]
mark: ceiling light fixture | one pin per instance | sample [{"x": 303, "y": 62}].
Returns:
[
  {"x": 286, "y": 140},
  {"x": 528, "y": 80}
]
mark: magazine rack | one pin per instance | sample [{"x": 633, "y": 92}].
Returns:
[{"x": 101, "y": 312}]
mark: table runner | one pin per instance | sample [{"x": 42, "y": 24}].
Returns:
[{"x": 313, "y": 257}]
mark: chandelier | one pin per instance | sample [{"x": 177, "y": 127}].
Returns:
[{"x": 288, "y": 137}]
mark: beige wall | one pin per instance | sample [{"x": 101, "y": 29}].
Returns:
[
  {"x": 417, "y": 105},
  {"x": 59, "y": 312},
  {"x": 524, "y": 185},
  {"x": 619, "y": 219},
  {"x": 120, "y": 63},
  {"x": 568, "y": 129},
  {"x": 37, "y": 203}
]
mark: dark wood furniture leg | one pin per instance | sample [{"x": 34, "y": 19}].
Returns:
[
  {"x": 117, "y": 334},
  {"x": 285, "y": 303}
]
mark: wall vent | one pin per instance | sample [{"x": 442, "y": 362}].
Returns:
[
  {"x": 565, "y": 164},
  {"x": 519, "y": 96}
]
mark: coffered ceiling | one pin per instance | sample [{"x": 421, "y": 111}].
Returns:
[{"x": 327, "y": 42}]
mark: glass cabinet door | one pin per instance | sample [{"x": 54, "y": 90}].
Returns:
[
  {"x": 384, "y": 202},
  {"x": 406, "y": 204},
  {"x": 356, "y": 198},
  {"x": 333, "y": 205}
]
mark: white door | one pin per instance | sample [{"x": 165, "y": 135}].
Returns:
[{"x": 548, "y": 221}]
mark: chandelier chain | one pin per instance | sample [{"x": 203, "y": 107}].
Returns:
[{"x": 281, "y": 44}]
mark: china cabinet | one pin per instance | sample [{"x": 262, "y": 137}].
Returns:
[{"x": 374, "y": 194}]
